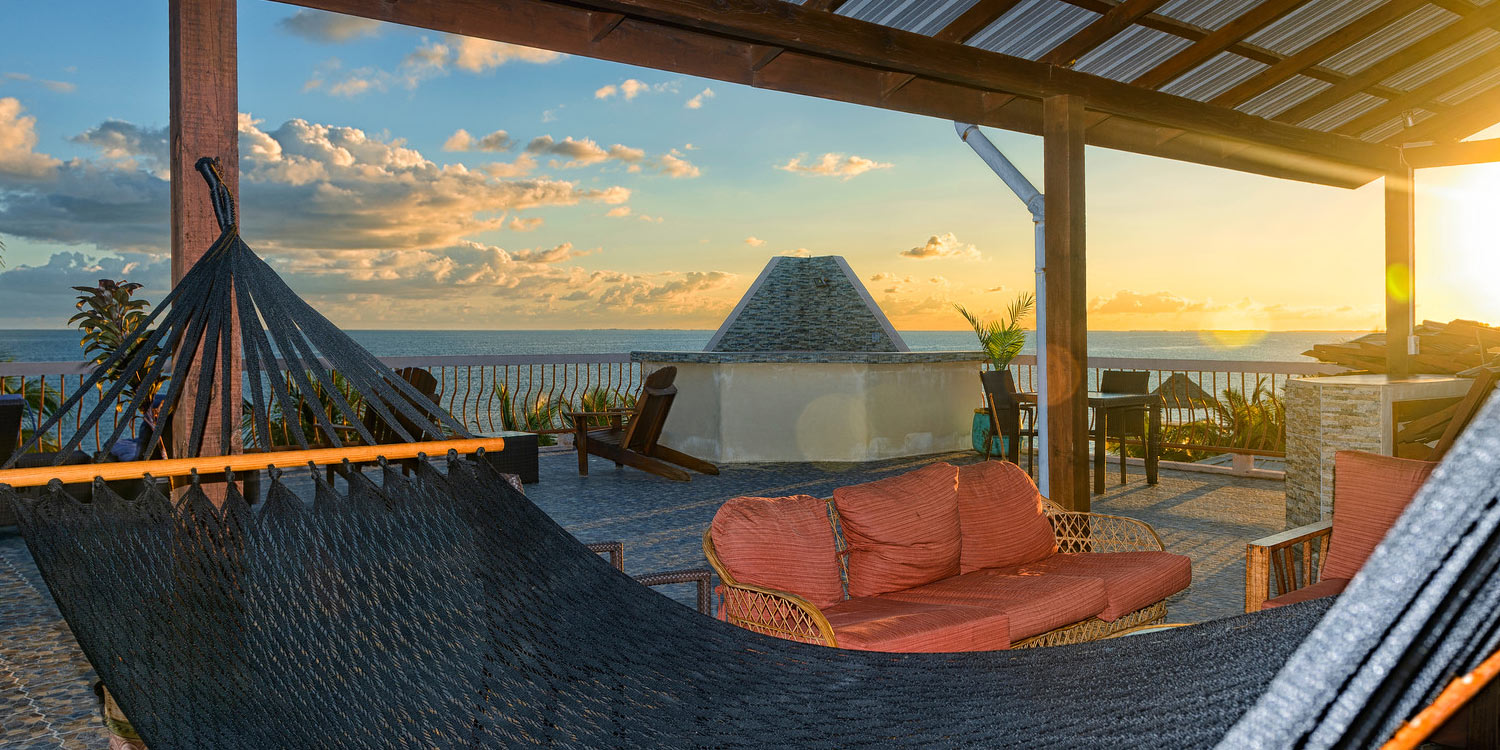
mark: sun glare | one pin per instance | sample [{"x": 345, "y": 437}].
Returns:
[{"x": 1467, "y": 257}]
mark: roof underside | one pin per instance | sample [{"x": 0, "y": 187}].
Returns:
[{"x": 1324, "y": 91}]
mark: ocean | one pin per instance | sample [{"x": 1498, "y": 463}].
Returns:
[{"x": 62, "y": 345}]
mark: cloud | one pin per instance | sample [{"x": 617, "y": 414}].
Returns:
[
  {"x": 800, "y": 252},
  {"x": 1125, "y": 301},
  {"x": 942, "y": 246},
  {"x": 754, "y": 241},
  {"x": 59, "y": 87},
  {"x": 527, "y": 224},
  {"x": 430, "y": 60},
  {"x": 522, "y": 166},
  {"x": 130, "y": 146},
  {"x": 630, "y": 88},
  {"x": 18, "y": 155},
  {"x": 834, "y": 165},
  {"x": 697, "y": 101},
  {"x": 39, "y": 294},
  {"x": 462, "y": 141},
  {"x": 618, "y": 213},
  {"x": 650, "y": 219},
  {"x": 882, "y": 276},
  {"x": 583, "y": 152},
  {"x": 322, "y": 26},
  {"x": 556, "y": 254}
]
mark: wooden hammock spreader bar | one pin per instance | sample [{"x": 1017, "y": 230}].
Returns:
[
  {"x": 181, "y": 467},
  {"x": 1456, "y": 695}
]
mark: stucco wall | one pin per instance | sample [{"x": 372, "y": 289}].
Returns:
[{"x": 831, "y": 411}]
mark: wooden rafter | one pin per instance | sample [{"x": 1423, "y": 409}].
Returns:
[
  {"x": 1454, "y": 154},
  {"x": 1316, "y": 52},
  {"x": 1422, "y": 96},
  {"x": 1413, "y": 53},
  {"x": 717, "y": 41},
  {"x": 1217, "y": 41},
  {"x": 1103, "y": 28},
  {"x": 1476, "y": 114}
]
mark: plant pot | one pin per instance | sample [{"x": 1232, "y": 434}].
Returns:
[{"x": 981, "y": 428}]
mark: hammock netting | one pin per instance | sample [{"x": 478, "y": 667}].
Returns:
[{"x": 446, "y": 610}]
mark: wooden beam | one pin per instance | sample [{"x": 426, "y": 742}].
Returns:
[
  {"x": 1067, "y": 302},
  {"x": 204, "y": 103},
  {"x": 827, "y": 6},
  {"x": 1103, "y": 29},
  {"x": 1316, "y": 52},
  {"x": 1473, "y": 115},
  {"x": 1421, "y": 96},
  {"x": 1392, "y": 64},
  {"x": 1400, "y": 259},
  {"x": 1217, "y": 41},
  {"x": 728, "y": 24},
  {"x": 974, "y": 20},
  {"x": 1454, "y": 154}
]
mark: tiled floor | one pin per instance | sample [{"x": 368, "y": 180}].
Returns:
[{"x": 46, "y": 702}]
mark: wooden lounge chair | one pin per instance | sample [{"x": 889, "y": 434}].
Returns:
[
  {"x": 1417, "y": 423},
  {"x": 426, "y": 383},
  {"x": 631, "y": 435}
]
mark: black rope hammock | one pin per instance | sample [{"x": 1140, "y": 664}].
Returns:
[{"x": 446, "y": 610}]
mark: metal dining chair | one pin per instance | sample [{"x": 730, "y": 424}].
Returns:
[
  {"x": 1006, "y": 416},
  {"x": 1124, "y": 422}
]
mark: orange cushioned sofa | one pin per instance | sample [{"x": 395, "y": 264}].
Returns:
[{"x": 942, "y": 558}]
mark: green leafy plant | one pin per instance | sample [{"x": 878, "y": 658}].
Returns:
[
  {"x": 539, "y": 416},
  {"x": 604, "y": 399},
  {"x": 1001, "y": 339},
  {"x": 109, "y": 314},
  {"x": 1256, "y": 421}
]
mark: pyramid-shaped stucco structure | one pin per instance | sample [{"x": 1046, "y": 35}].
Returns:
[{"x": 806, "y": 304}]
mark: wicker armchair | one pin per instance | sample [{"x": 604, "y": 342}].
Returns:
[
  {"x": 786, "y": 615},
  {"x": 1294, "y": 558}
]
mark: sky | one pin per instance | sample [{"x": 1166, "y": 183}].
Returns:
[{"x": 407, "y": 179}]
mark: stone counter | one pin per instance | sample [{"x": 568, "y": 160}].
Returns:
[
  {"x": 736, "y": 407},
  {"x": 1343, "y": 412}
]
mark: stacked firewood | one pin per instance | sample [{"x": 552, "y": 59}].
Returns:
[{"x": 1459, "y": 347}]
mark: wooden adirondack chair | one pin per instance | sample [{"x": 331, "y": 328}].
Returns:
[{"x": 630, "y": 438}]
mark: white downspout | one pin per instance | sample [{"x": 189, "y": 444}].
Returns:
[{"x": 1037, "y": 205}]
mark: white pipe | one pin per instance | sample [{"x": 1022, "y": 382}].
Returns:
[{"x": 1035, "y": 203}]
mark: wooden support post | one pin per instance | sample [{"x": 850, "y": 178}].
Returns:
[
  {"x": 1400, "y": 260},
  {"x": 204, "y": 122},
  {"x": 1067, "y": 311}
]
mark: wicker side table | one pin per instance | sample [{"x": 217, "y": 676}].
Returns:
[{"x": 519, "y": 456}]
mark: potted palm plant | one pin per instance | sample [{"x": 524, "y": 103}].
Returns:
[{"x": 1000, "y": 340}]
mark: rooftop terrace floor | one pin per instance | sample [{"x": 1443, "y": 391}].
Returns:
[{"x": 46, "y": 701}]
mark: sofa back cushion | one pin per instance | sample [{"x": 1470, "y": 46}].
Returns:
[
  {"x": 1369, "y": 494},
  {"x": 902, "y": 531},
  {"x": 1000, "y": 516},
  {"x": 783, "y": 543}
]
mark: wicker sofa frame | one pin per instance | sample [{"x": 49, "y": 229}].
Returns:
[{"x": 786, "y": 615}]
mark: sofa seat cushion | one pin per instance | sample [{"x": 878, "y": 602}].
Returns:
[
  {"x": 1035, "y": 604},
  {"x": 1369, "y": 494},
  {"x": 1000, "y": 516},
  {"x": 880, "y": 624},
  {"x": 902, "y": 531},
  {"x": 1325, "y": 587},
  {"x": 783, "y": 543},
  {"x": 1131, "y": 579}
]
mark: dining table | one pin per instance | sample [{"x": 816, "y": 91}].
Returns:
[{"x": 1102, "y": 404}]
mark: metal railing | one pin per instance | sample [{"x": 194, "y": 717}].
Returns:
[
  {"x": 1196, "y": 390},
  {"x": 497, "y": 392}
]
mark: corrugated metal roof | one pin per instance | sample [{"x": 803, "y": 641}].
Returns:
[
  {"x": 1033, "y": 28},
  {"x": 1396, "y": 36},
  {"x": 1214, "y": 77},
  {"x": 1307, "y": 24},
  {"x": 1472, "y": 46},
  {"x": 1342, "y": 112},
  {"x": 1284, "y": 96},
  {"x": 1131, "y": 53},
  {"x": 1393, "y": 126},
  {"x": 1207, "y": 14},
  {"x": 920, "y": 16},
  {"x": 1472, "y": 88}
]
